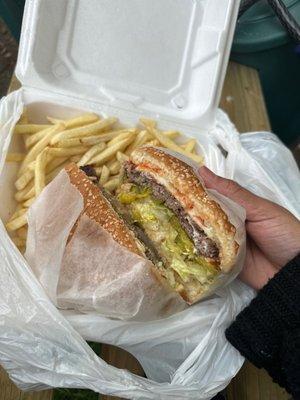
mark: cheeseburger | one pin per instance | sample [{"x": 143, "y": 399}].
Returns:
[{"x": 162, "y": 212}]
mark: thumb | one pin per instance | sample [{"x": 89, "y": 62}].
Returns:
[{"x": 255, "y": 206}]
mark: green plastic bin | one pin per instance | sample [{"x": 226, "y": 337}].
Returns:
[
  {"x": 12, "y": 12},
  {"x": 261, "y": 42}
]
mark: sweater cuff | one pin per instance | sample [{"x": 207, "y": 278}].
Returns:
[{"x": 258, "y": 330}]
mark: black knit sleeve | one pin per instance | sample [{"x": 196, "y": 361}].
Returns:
[{"x": 267, "y": 332}]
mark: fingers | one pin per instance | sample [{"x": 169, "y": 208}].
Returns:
[
  {"x": 257, "y": 270},
  {"x": 256, "y": 207}
]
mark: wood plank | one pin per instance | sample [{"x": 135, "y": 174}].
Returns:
[
  {"x": 120, "y": 359},
  {"x": 9, "y": 391},
  {"x": 254, "y": 384},
  {"x": 243, "y": 100}
]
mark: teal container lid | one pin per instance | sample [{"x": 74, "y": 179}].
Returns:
[{"x": 259, "y": 28}]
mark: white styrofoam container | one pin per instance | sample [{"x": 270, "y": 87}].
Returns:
[
  {"x": 128, "y": 58},
  {"x": 165, "y": 59}
]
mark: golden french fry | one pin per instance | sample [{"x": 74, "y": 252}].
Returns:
[
  {"x": 33, "y": 139},
  {"x": 98, "y": 171},
  {"x": 17, "y": 223},
  {"x": 154, "y": 142},
  {"x": 31, "y": 166},
  {"x": 29, "y": 202},
  {"x": 25, "y": 193},
  {"x": 83, "y": 119},
  {"x": 190, "y": 145},
  {"x": 171, "y": 134},
  {"x": 29, "y": 128},
  {"x": 121, "y": 136},
  {"x": 109, "y": 152},
  {"x": 69, "y": 142},
  {"x": 54, "y": 163},
  {"x": 19, "y": 242},
  {"x": 39, "y": 173},
  {"x": 15, "y": 157},
  {"x": 22, "y": 232},
  {"x": 141, "y": 138},
  {"x": 19, "y": 207},
  {"x": 165, "y": 141},
  {"x": 40, "y": 145},
  {"x": 65, "y": 152},
  {"x": 83, "y": 131},
  {"x": 91, "y": 153},
  {"x": 110, "y": 162},
  {"x": 115, "y": 167},
  {"x": 18, "y": 213},
  {"x": 104, "y": 175},
  {"x": 148, "y": 123},
  {"x": 24, "y": 117},
  {"x": 89, "y": 140},
  {"x": 24, "y": 179},
  {"x": 121, "y": 157},
  {"x": 112, "y": 184},
  {"x": 56, "y": 171},
  {"x": 75, "y": 159}
]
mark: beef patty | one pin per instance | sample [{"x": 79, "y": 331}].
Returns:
[{"x": 204, "y": 245}]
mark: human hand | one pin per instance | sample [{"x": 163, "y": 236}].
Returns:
[{"x": 273, "y": 232}]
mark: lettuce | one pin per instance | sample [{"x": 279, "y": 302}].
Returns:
[{"x": 164, "y": 229}]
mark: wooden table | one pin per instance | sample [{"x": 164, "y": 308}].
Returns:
[{"x": 242, "y": 99}]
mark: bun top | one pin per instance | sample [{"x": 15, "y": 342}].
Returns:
[
  {"x": 98, "y": 208},
  {"x": 184, "y": 185}
]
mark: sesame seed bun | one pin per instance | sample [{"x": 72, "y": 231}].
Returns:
[
  {"x": 183, "y": 184},
  {"x": 100, "y": 210}
]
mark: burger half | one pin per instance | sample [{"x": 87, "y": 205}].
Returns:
[{"x": 162, "y": 212}]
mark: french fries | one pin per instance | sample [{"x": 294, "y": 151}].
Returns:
[
  {"x": 104, "y": 175},
  {"x": 29, "y": 128},
  {"x": 83, "y": 131},
  {"x": 22, "y": 233},
  {"x": 33, "y": 139},
  {"x": 112, "y": 184},
  {"x": 40, "y": 173},
  {"x": 24, "y": 179},
  {"x": 121, "y": 157},
  {"x": 168, "y": 143},
  {"x": 19, "y": 242},
  {"x": 24, "y": 117},
  {"x": 171, "y": 134},
  {"x": 55, "y": 162},
  {"x": 15, "y": 157},
  {"x": 90, "y": 154},
  {"x": 40, "y": 145},
  {"x": 115, "y": 167},
  {"x": 142, "y": 138},
  {"x": 66, "y": 152},
  {"x": 83, "y": 119},
  {"x": 25, "y": 193},
  {"x": 86, "y": 140},
  {"x": 190, "y": 145},
  {"x": 109, "y": 152},
  {"x": 16, "y": 223}
]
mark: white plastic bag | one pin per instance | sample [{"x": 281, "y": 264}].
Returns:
[{"x": 185, "y": 356}]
